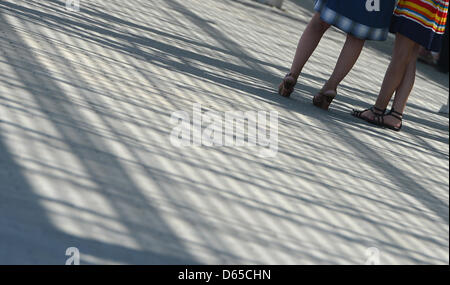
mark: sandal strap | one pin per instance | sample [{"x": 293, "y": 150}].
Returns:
[
  {"x": 378, "y": 119},
  {"x": 358, "y": 113},
  {"x": 394, "y": 111},
  {"x": 290, "y": 75},
  {"x": 378, "y": 114},
  {"x": 395, "y": 114},
  {"x": 327, "y": 95},
  {"x": 377, "y": 109}
]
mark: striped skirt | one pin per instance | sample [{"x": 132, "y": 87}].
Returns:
[{"x": 423, "y": 21}]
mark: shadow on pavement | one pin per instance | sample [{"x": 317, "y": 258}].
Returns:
[{"x": 148, "y": 228}]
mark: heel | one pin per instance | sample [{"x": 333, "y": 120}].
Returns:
[
  {"x": 286, "y": 87},
  {"x": 323, "y": 101}
]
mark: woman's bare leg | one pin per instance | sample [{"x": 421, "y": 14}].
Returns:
[
  {"x": 403, "y": 92},
  {"x": 405, "y": 51},
  {"x": 308, "y": 43},
  {"x": 347, "y": 59},
  {"x": 405, "y": 88}
]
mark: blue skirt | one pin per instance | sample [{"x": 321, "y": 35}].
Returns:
[{"x": 356, "y": 18}]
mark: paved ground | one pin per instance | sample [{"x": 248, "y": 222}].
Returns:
[{"x": 86, "y": 160}]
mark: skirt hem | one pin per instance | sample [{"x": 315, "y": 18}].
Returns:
[
  {"x": 348, "y": 25},
  {"x": 425, "y": 37}
]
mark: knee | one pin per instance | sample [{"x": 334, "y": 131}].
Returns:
[
  {"x": 405, "y": 50},
  {"x": 319, "y": 25},
  {"x": 416, "y": 52},
  {"x": 404, "y": 57}
]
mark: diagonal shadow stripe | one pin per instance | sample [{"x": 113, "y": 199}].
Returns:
[{"x": 101, "y": 170}]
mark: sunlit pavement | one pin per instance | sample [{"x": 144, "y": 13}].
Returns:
[{"x": 86, "y": 160}]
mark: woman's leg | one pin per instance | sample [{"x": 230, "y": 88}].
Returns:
[
  {"x": 347, "y": 59},
  {"x": 405, "y": 88},
  {"x": 405, "y": 51},
  {"x": 403, "y": 92},
  {"x": 308, "y": 43}
]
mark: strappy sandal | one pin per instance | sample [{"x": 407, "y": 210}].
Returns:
[
  {"x": 395, "y": 114},
  {"x": 286, "y": 87},
  {"x": 323, "y": 100},
  {"x": 378, "y": 113}
]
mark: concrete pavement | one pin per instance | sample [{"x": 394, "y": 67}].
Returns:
[{"x": 86, "y": 160}]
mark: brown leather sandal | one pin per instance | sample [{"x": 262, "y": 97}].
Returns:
[
  {"x": 286, "y": 87},
  {"x": 323, "y": 100}
]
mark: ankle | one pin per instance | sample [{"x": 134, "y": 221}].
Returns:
[
  {"x": 328, "y": 91},
  {"x": 294, "y": 75},
  {"x": 398, "y": 110},
  {"x": 329, "y": 88},
  {"x": 378, "y": 110}
]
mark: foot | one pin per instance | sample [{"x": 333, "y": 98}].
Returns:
[
  {"x": 393, "y": 122},
  {"x": 371, "y": 115},
  {"x": 286, "y": 87},
  {"x": 323, "y": 99}
]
